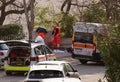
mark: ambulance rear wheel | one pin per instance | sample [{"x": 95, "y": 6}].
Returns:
[
  {"x": 83, "y": 61},
  {"x": 8, "y": 73}
]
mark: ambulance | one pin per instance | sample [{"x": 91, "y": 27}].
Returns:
[
  {"x": 85, "y": 41},
  {"x": 21, "y": 56}
]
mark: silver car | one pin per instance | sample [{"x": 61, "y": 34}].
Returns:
[{"x": 3, "y": 51}]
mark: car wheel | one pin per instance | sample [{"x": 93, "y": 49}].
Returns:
[
  {"x": 0, "y": 66},
  {"x": 83, "y": 61},
  {"x": 8, "y": 73}
]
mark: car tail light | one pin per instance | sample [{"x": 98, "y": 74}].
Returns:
[
  {"x": 94, "y": 51},
  {"x": 32, "y": 58},
  {"x": 1, "y": 54},
  {"x": 6, "y": 58}
]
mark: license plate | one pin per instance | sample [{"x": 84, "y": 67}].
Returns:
[
  {"x": 78, "y": 51},
  {"x": 83, "y": 52}
]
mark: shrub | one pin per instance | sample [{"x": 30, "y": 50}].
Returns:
[
  {"x": 11, "y": 31},
  {"x": 110, "y": 50}
]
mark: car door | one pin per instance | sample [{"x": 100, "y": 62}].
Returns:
[
  {"x": 70, "y": 71},
  {"x": 40, "y": 53},
  {"x": 49, "y": 54},
  {"x": 3, "y": 52}
]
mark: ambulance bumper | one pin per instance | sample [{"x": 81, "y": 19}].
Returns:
[{"x": 16, "y": 68}]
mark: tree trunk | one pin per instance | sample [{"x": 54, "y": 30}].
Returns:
[
  {"x": 2, "y": 20},
  {"x": 30, "y": 20},
  {"x": 3, "y": 15}
]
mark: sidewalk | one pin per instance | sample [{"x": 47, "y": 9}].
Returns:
[{"x": 61, "y": 53}]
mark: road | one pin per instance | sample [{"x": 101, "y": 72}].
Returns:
[{"x": 91, "y": 72}]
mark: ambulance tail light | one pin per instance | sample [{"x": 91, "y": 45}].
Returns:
[
  {"x": 71, "y": 49},
  {"x": 94, "y": 51},
  {"x": 1, "y": 54},
  {"x": 5, "y": 59}
]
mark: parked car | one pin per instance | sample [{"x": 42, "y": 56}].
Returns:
[
  {"x": 52, "y": 71},
  {"x": 21, "y": 55},
  {"x": 3, "y": 51},
  {"x": 55, "y": 80}
]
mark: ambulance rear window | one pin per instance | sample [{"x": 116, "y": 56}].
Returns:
[{"x": 83, "y": 37}]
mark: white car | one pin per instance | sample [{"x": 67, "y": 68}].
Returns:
[
  {"x": 52, "y": 71},
  {"x": 3, "y": 51},
  {"x": 21, "y": 56}
]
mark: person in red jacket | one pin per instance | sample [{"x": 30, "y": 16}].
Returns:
[
  {"x": 42, "y": 34},
  {"x": 56, "y": 33}
]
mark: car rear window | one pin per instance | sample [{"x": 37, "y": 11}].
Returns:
[
  {"x": 46, "y": 64},
  {"x": 41, "y": 74}
]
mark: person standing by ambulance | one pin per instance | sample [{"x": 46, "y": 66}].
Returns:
[
  {"x": 41, "y": 34},
  {"x": 56, "y": 33}
]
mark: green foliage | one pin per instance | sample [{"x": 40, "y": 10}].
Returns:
[
  {"x": 95, "y": 13},
  {"x": 66, "y": 25},
  {"x": 45, "y": 18},
  {"x": 42, "y": 18},
  {"x": 11, "y": 31},
  {"x": 110, "y": 50}
]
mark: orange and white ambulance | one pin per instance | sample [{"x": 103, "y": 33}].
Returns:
[{"x": 84, "y": 41}]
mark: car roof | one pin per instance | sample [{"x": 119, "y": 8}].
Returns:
[
  {"x": 22, "y": 43},
  {"x": 36, "y": 44},
  {"x": 52, "y": 62},
  {"x": 2, "y": 41},
  {"x": 48, "y": 65},
  {"x": 16, "y": 43}
]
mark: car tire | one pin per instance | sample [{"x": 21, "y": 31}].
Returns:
[
  {"x": 83, "y": 61},
  {"x": 8, "y": 73}
]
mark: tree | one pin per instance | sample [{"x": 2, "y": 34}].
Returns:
[
  {"x": 109, "y": 45},
  {"x": 112, "y": 8},
  {"x": 94, "y": 13},
  {"x": 8, "y": 7},
  {"x": 43, "y": 17},
  {"x": 29, "y": 16},
  {"x": 66, "y": 25},
  {"x": 69, "y": 3}
]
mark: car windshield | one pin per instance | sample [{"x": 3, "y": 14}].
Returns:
[
  {"x": 83, "y": 37},
  {"x": 3, "y": 47},
  {"x": 42, "y": 74}
]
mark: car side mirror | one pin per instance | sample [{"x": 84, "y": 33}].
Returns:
[
  {"x": 75, "y": 71},
  {"x": 69, "y": 74},
  {"x": 26, "y": 73}
]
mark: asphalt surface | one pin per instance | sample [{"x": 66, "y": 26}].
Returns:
[{"x": 90, "y": 72}]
